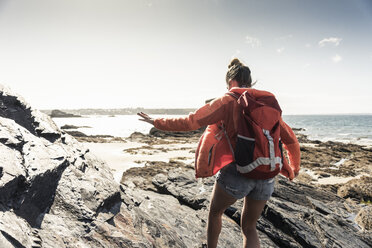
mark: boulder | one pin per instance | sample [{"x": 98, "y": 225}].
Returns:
[
  {"x": 297, "y": 215},
  {"x": 55, "y": 193},
  {"x": 360, "y": 189},
  {"x": 61, "y": 114},
  {"x": 163, "y": 134},
  {"x": 364, "y": 218}
]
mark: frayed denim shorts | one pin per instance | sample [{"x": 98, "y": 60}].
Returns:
[{"x": 238, "y": 186}]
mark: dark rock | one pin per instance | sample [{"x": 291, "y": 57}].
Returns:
[
  {"x": 73, "y": 127},
  {"x": 137, "y": 135},
  {"x": 163, "y": 134},
  {"x": 298, "y": 129},
  {"x": 323, "y": 175},
  {"x": 360, "y": 189},
  {"x": 364, "y": 218},
  {"x": 55, "y": 193},
  {"x": 13, "y": 107},
  {"x": 76, "y": 133},
  {"x": 61, "y": 114},
  {"x": 298, "y": 215}
]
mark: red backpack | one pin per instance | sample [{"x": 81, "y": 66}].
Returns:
[{"x": 258, "y": 152}]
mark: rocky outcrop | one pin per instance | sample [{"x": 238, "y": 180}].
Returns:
[
  {"x": 163, "y": 134},
  {"x": 360, "y": 189},
  {"x": 298, "y": 215},
  {"x": 13, "y": 107},
  {"x": 364, "y": 218},
  {"x": 65, "y": 127},
  {"x": 55, "y": 193},
  {"x": 61, "y": 114},
  {"x": 335, "y": 158}
]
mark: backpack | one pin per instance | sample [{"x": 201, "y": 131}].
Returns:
[{"x": 258, "y": 152}]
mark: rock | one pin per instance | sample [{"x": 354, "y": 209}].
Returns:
[
  {"x": 357, "y": 188},
  {"x": 13, "y": 107},
  {"x": 61, "y": 114},
  {"x": 73, "y": 127},
  {"x": 163, "y": 134},
  {"x": 55, "y": 193},
  {"x": 298, "y": 215},
  {"x": 298, "y": 129},
  {"x": 364, "y": 218},
  {"x": 76, "y": 133},
  {"x": 137, "y": 135},
  {"x": 335, "y": 158}
]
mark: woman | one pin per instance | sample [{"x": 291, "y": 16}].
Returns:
[{"x": 230, "y": 184}]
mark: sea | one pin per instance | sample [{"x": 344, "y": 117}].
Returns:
[{"x": 355, "y": 129}]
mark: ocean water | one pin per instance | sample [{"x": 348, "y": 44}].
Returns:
[
  {"x": 355, "y": 129},
  {"x": 118, "y": 126}
]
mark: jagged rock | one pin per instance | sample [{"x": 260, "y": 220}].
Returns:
[
  {"x": 61, "y": 114},
  {"x": 76, "y": 133},
  {"x": 73, "y": 127},
  {"x": 55, "y": 193},
  {"x": 360, "y": 189},
  {"x": 14, "y": 107},
  {"x": 187, "y": 220},
  {"x": 163, "y": 134},
  {"x": 364, "y": 218},
  {"x": 14, "y": 231},
  {"x": 298, "y": 215}
]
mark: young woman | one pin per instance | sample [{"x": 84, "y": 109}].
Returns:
[{"x": 230, "y": 184}]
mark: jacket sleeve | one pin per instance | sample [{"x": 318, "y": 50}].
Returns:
[
  {"x": 208, "y": 114},
  {"x": 292, "y": 146}
]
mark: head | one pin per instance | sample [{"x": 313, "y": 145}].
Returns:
[{"x": 238, "y": 75}]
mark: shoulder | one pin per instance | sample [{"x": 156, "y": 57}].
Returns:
[{"x": 223, "y": 100}]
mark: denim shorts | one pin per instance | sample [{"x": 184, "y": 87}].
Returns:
[{"x": 239, "y": 186}]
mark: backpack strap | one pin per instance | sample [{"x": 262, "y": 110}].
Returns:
[
  {"x": 271, "y": 148},
  {"x": 228, "y": 139}
]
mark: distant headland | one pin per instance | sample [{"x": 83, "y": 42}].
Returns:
[{"x": 122, "y": 111}]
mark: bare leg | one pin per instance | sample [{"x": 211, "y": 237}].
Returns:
[
  {"x": 220, "y": 201},
  {"x": 252, "y": 210}
]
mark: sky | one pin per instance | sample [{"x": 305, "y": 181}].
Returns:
[{"x": 315, "y": 56}]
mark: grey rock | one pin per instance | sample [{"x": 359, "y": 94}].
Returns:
[
  {"x": 360, "y": 189},
  {"x": 55, "y": 193},
  {"x": 14, "y": 107},
  {"x": 364, "y": 218},
  {"x": 297, "y": 215},
  {"x": 56, "y": 113}
]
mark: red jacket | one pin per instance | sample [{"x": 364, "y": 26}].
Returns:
[{"x": 227, "y": 110}]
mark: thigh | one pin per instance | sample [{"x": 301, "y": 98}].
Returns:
[
  {"x": 252, "y": 210},
  {"x": 220, "y": 200}
]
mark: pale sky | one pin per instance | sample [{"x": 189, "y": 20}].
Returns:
[{"x": 315, "y": 56}]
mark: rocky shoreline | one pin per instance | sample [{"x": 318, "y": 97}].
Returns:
[{"x": 56, "y": 193}]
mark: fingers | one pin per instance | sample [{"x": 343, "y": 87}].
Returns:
[
  {"x": 146, "y": 118},
  {"x": 142, "y": 114}
]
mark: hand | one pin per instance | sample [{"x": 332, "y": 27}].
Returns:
[{"x": 146, "y": 118}]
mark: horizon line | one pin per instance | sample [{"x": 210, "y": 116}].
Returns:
[{"x": 73, "y": 109}]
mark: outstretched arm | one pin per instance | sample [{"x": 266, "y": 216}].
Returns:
[{"x": 208, "y": 114}]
